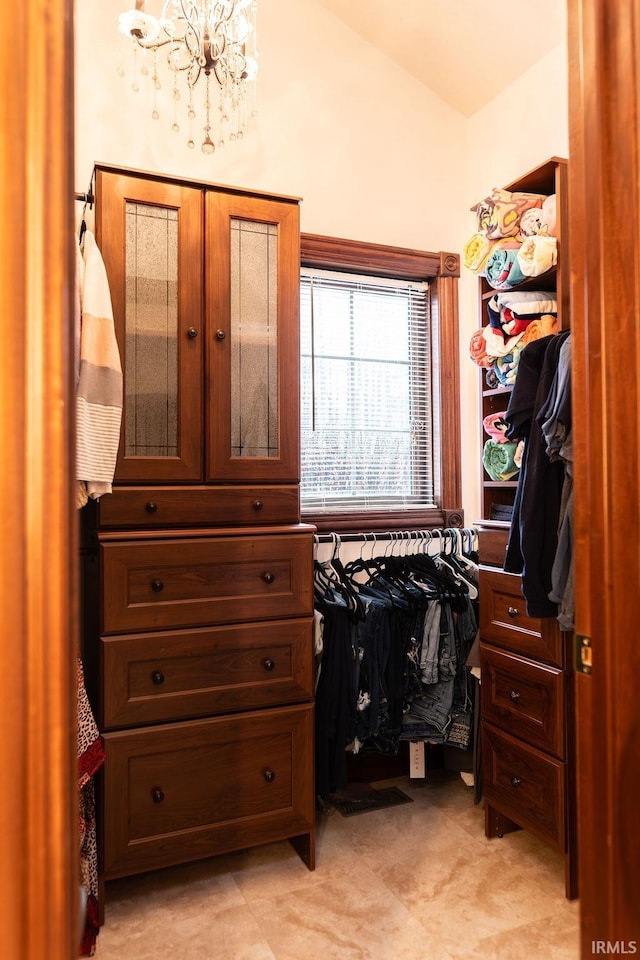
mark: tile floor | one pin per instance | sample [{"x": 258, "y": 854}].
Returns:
[{"x": 417, "y": 881}]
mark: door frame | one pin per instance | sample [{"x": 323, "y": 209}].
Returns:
[
  {"x": 38, "y": 543},
  {"x": 604, "y": 210}
]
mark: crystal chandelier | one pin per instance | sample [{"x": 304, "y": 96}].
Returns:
[{"x": 212, "y": 40}]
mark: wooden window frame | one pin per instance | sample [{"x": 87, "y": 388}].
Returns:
[{"x": 441, "y": 271}]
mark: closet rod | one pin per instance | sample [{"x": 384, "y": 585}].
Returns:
[{"x": 374, "y": 537}]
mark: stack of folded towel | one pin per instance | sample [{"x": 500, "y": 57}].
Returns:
[
  {"x": 515, "y": 238},
  {"x": 515, "y": 318}
]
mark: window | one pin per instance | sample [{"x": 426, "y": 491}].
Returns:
[
  {"x": 366, "y": 436},
  {"x": 378, "y": 325}
]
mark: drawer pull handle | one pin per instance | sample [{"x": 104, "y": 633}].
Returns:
[
  {"x": 157, "y": 678},
  {"x": 258, "y": 504},
  {"x": 268, "y": 577},
  {"x": 514, "y": 695},
  {"x": 151, "y": 507},
  {"x": 515, "y": 781},
  {"x": 157, "y": 586},
  {"x": 220, "y": 334},
  {"x": 157, "y": 795},
  {"x": 269, "y": 664},
  {"x": 513, "y": 611},
  {"x": 269, "y": 776},
  {"x": 192, "y": 333}
]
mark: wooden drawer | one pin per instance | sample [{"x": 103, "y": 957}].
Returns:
[
  {"x": 185, "y": 582},
  {"x": 504, "y": 621},
  {"x": 190, "y": 790},
  {"x": 492, "y": 545},
  {"x": 174, "y": 675},
  {"x": 528, "y": 786},
  {"x": 525, "y": 697},
  {"x": 199, "y": 506}
]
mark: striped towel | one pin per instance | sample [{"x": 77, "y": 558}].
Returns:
[{"x": 99, "y": 379}]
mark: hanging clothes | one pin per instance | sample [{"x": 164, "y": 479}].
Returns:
[
  {"x": 98, "y": 376},
  {"x": 533, "y": 536},
  {"x": 90, "y": 759},
  {"x": 396, "y": 633}
]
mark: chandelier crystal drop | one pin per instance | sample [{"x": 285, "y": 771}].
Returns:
[{"x": 212, "y": 40}]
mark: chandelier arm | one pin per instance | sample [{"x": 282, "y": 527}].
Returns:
[{"x": 148, "y": 44}]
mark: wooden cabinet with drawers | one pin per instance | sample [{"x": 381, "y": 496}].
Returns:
[
  {"x": 527, "y": 712},
  {"x": 198, "y": 592},
  {"x": 526, "y": 708}
]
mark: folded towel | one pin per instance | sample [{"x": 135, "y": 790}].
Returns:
[
  {"x": 510, "y": 321},
  {"x": 476, "y": 250},
  {"x": 497, "y": 343},
  {"x": 479, "y": 248},
  {"x": 510, "y": 314},
  {"x": 499, "y": 214},
  {"x": 524, "y": 302},
  {"x": 497, "y": 459},
  {"x": 540, "y": 327},
  {"x": 503, "y": 270},
  {"x": 495, "y": 425},
  {"x": 501, "y": 511},
  {"x": 549, "y": 216},
  {"x": 540, "y": 220},
  {"x": 491, "y": 377},
  {"x": 478, "y": 350},
  {"x": 537, "y": 255},
  {"x": 506, "y": 367}
]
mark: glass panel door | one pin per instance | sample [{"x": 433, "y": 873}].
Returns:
[
  {"x": 254, "y": 339},
  {"x": 151, "y": 323},
  {"x": 150, "y": 234},
  {"x": 252, "y": 269}
]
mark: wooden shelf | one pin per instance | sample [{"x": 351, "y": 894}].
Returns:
[{"x": 547, "y": 179}]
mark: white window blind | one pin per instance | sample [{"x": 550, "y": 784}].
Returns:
[{"x": 366, "y": 398}]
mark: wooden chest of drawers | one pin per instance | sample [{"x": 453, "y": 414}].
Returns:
[
  {"x": 526, "y": 714},
  {"x": 205, "y": 692}
]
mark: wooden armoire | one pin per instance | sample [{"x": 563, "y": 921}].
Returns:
[{"x": 197, "y": 570}]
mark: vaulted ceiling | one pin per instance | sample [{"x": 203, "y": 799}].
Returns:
[{"x": 466, "y": 51}]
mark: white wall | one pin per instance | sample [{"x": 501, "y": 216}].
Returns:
[
  {"x": 374, "y": 154},
  {"x": 520, "y": 129},
  {"x": 339, "y": 124}
]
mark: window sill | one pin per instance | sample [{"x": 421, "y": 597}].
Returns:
[{"x": 371, "y": 521}]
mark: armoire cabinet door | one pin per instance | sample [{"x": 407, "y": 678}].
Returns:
[
  {"x": 252, "y": 267},
  {"x": 150, "y": 236}
]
